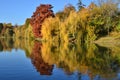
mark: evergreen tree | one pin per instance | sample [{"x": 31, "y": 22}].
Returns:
[
  {"x": 80, "y": 4},
  {"x": 1, "y": 27}
]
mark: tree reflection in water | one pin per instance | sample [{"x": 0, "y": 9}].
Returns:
[
  {"x": 90, "y": 61},
  {"x": 32, "y": 51},
  {"x": 6, "y": 44},
  {"x": 38, "y": 62}
]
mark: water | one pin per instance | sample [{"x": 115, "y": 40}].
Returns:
[{"x": 32, "y": 60}]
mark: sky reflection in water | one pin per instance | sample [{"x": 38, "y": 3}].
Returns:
[{"x": 41, "y": 61}]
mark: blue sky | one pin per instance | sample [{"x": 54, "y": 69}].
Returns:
[{"x": 16, "y": 11}]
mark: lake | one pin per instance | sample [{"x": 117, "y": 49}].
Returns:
[{"x": 31, "y": 60}]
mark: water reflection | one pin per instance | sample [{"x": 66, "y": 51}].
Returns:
[
  {"x": 36, "y": 58},
  {"x": 6, "y": 44},
  {"x": 87, "y": 62}
]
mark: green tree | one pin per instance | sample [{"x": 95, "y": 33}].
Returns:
[
  {"x": 103, "y": 17},
  {"x": 80, "y": 5}
]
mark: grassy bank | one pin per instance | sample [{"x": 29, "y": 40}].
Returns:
[{"x": 109, "y": 41}]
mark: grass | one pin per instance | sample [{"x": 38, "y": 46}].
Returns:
[{"x": 109, "y": 41}]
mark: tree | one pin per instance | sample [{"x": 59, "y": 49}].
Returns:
[
  {"x": 68, "y": 8},
  {"x": 109, "y": 9},
  {"x": 102, "y": 17},
  {"x": 42, "y": 12},
  {"x": 1, "y": 27},
  {"x": 66, "y": 12},
  {"x": 60, "y": 15},
  {"x": 27, "y": 22},
  {"x": 80, "y": 5}
]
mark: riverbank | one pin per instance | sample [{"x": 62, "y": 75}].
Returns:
[{"x": 109, "y": 41}]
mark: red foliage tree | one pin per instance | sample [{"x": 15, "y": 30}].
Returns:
[{"x": 42, "y": 12}]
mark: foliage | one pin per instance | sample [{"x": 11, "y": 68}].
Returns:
[
  {"x": 24, "y": 31},
  {"x": 102, "y": 17},
  {"x": 27, "y": 22},
  {"x": 42, "y": 12},
  {"x": 118, "y": 27},
  {"x": 1, "y": 27},
  {"x": 80, "y": 4},
  {"x": 50, "y": 29},
  {"x": 67, "y": 37},
  {"x": 62, "y": 15},
  {"x": 71, "y": 26},
  {"x": 6, "y": 30},
  {"x": 74, "y": 57},
  {"x": 74, "y": 28}
]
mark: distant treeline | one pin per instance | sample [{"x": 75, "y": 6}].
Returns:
[{"x": 7, "y": 30}]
